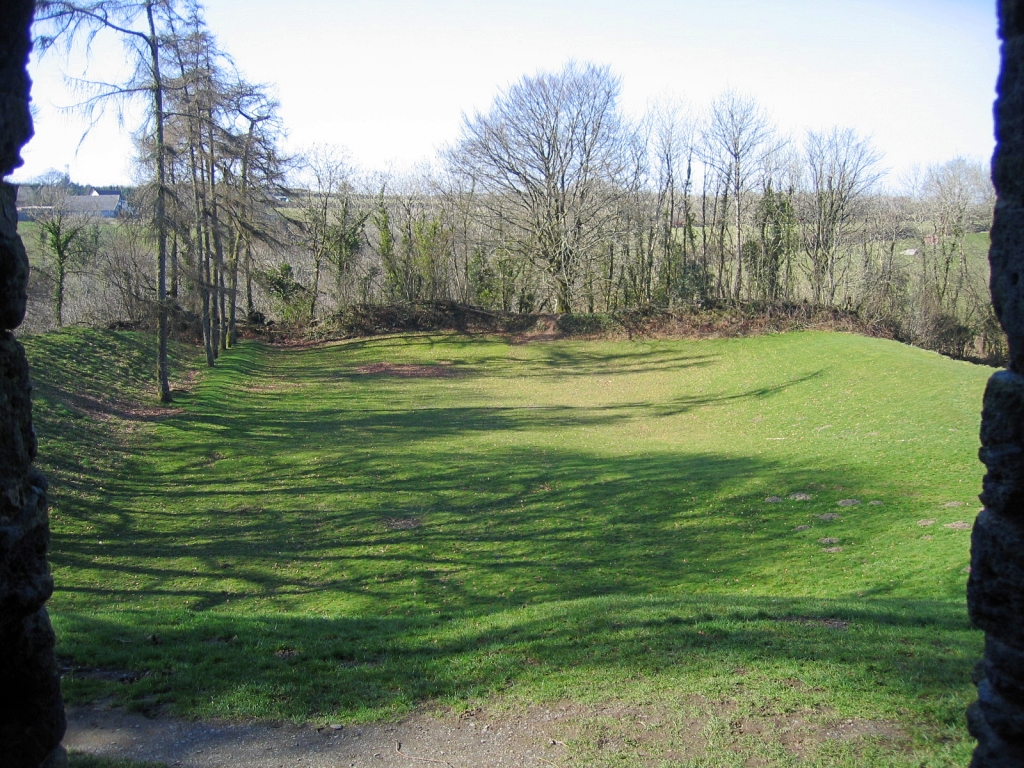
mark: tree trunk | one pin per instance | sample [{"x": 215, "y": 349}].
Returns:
[
  {"x": 317, "y": 260},
  {"x": 737, "y": 193},
  {"x": 232, "y": 333},
  {"x": 211, "y": 358},
  {"x": 161, "y": 210},
  {"x": 58, "y": 293},
  {"x": 562, "y": 298},
  {"x": 250, "y": 308}
]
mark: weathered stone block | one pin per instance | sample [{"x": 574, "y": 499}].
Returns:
[
  {"x": 31, "y": 710},
  {"x": 994, "y": 595},
  {"x": 1004, "y": 175},
  {"x": 15, "y": 120},
  {"x": 1005, "y": 717},
  {"x": 1002, "y": 417},
  {"x": 1002, "y": 438},
  {"x": 32, "y": 719},
  {"x": 992, "y": 751},
  {"x": 25, "y": 579},
  {"x": 1004, "y": 669},
  {"x": 1010, "y": 88},
  {"x": 13, "y": 262},
  {"x": 1006, "y": 258},
  {"x": 18, "y": 446},
  {"x": 1011, "y": 19}
]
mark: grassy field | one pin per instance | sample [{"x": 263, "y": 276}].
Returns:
[{"x": 349, "y": 532}]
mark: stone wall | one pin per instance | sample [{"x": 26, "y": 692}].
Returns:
[
  {"x": 31, "y": 710},
  {"x": 995, "y": 589}
]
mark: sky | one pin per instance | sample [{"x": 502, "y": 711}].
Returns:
[{"x": 390, "y": 80}]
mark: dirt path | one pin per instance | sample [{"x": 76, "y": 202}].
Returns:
[
  {"x": 534, "y": 737},
  {"x": 468, "y": 741}
]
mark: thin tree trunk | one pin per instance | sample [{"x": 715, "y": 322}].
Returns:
[
  {"x": 173, "y": 290},
  {"x": 214, "y": 307},
  {"x": 163, "y": 377},
  {"x": 250, "y": 308},
  {"x": 217, "y": 257},
  {"x": 562, "y": 299},
  {"x": 316, "y": 288},
  {"x": 58, "y": 305},
  {"x": 174, "y": 268},
  {"x": 232, "y": 332},
  {"x": 222, "y": 292},
  {"x": 211, "y": 358},
  {"x": 737, "y": 193}
]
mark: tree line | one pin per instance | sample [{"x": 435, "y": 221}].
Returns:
[{"x": 552, "y": 200}]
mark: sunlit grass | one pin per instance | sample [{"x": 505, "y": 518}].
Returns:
[{"x": 322, "y": 536}]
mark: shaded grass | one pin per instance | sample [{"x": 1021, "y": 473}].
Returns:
[
  {"x": 573, "y": 520},
  {"x": 82, "y": 760}
]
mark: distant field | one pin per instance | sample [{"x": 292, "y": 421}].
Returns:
[{"x": 347, "y": 533}]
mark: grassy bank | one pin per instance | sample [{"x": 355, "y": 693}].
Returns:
[{"x": 724, "y": 531}]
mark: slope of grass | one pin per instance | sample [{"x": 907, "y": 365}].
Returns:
[{"x": 347, "y": 532}]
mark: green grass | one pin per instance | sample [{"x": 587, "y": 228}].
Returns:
[
  {"x": 564, "y": 521},
  {"x": 83, "y": 760}
]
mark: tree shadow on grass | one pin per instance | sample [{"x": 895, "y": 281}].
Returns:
[
  {"x": 269, "y": 428},
  {"x": 233, "y": 579},
  {"x": 470, "y": 355},
  {"x": 342, "y": 667},
  {"x": 549, "y": 525},
  {"x": 563, "y": 563}
]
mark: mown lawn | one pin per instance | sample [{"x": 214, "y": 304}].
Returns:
[{"x": 349, "y": 532}]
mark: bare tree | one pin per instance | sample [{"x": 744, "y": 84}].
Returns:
[
  {"x": 673, "y": 148},
  {"x": 253, "y": 175},
  {"x": 737, "y": 137},
  {"x": 548, "y": 160},
  {"x": 884, "y": 267},
  {"x": 326, "y": 237},
  {"x": 954, "y": 192},
  {"x": 194, "y": 143},
  {"x": 842, "y": 167},
  {"x": 224, "y": 169},
  {"x": 141, "y": 25}
]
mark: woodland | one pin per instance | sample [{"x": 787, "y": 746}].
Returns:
[{"x": 551, "y": 201}]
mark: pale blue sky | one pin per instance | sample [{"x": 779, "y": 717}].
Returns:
[{"x": 390, "y": 79}]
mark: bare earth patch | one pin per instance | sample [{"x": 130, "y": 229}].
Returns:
[
  {"x": 407, "y": 371},
  {"x": 544, "y": 329},
  {"x": 187, "y": 380},
  {"x": 821, "y": 622},
  {"x": 555, "y": 734},
  {"x": 105, "y": 409},
  {"x": 959, "y": 525},
  {"x": 401, "y": 523}
]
